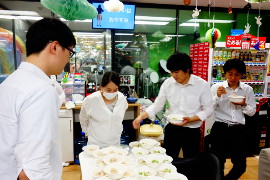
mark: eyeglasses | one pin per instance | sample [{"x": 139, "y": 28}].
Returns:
[{"x": 71, "y": 52}]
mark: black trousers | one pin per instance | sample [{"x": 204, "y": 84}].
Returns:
[
  {"x": 177, "y": 137},
  {"x": 229, "y": 142}
]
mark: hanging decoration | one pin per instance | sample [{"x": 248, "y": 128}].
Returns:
[
  {"x": 213, "y": 35},
  {"x": 187, "y": 2},
  {"x": 230, "y": 8},
  {"x": 247, "y": 26},
  {"x": 114, "y": 6},
  {"x": 196, "y": 13},
  {"x": 209, "y": 10},
  {"x": 72, "y": 9},
  {"x": 259, "y": 23}
]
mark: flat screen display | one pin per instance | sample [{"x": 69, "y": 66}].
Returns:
[{"x": 114, "y": 20}]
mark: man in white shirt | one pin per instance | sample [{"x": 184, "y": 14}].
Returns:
[
  {"x": 29, "y": 137},
  {"x": 228, "y": 132},
  {"x": 187, "y": 95}
]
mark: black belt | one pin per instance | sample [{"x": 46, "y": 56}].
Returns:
[{"x": 230, "y": 125}]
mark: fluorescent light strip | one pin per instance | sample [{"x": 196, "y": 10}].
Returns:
[
  {"x": 179, "y": 35},
  {"x": 86, "y": 20},
  {"x": 190, "y": 24},
  {"x": 124, "y": 34},
  {"x": 152, "y": 18},
  {"x": 123, "y": 41},
  {"x": 18, "y": 13},
  {"x": 151, "y": 22},
  {"x": 211, "y": 21}
]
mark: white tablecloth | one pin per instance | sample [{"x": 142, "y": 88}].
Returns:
[{"x": 87, "y": 165}]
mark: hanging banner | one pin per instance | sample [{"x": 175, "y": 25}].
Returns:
[{"x": 244, "y": 41}]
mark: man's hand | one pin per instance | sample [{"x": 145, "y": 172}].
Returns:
[
  {"x": 221, "y": 90},
  {"x": 136, "y": 122},
  {"x": 188, "y": 120},
  {"x": 22, "y": 176}
]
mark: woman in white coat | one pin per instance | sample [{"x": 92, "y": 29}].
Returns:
[{"x": 102, "y": 112}]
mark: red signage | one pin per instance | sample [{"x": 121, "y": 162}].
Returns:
[
  {"x": 199, "y": 54},
  {"x": 245, "y": 41}
]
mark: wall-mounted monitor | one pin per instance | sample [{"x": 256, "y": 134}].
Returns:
[{"x": 114, "y": 20}]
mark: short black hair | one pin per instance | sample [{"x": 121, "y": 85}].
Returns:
[
  {"x": 45, "y": 30},
  {"x": 110, "y": 76},
  {"x": 235, "y": 64},
  {"x": 180, "y": 61}
]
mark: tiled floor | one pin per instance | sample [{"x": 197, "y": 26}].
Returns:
[{"x": 73, "y": 172}]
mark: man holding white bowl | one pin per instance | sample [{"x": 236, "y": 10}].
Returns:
[
  {"x": 232, "y": 100},
  {"x": 190, "y": 98}
]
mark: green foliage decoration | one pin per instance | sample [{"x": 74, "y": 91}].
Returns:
[{"x": 71, "y": 9}]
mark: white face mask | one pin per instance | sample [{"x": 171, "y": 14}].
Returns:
[{"x": 109, "y": 96}]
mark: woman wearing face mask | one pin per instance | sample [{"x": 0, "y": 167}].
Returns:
[{"x": 102, "y": 112}]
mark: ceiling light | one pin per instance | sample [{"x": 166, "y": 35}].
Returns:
[
  {"x": 86, "y": 20},
  {"x": 190, "y": 24},
  {"x": 18, "y": 13},
  {"x": 123, "y": 41},
  {"x": 152, "y": 18},
  {"x": 29, "y": 17},
  {"x": 211, "y": 21},
  {"x": 124, "y": 34},
  {"x": 179, "y": 35},
  {"x": 151, "y": 22},
  {"x": 7, "y": 17},
  {"x": 87, "y": 34}
]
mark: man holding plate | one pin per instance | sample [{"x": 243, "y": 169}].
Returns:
[{"x": 189, "y": 99}]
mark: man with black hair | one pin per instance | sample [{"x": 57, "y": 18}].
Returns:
[
  {"x": 228, "y": 132},
  {"x": 29, "y": 132},
  {"x": 187, "y": 95}
]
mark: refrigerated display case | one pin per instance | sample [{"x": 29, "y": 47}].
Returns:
[
  {"x": 93, "y": 56},
  {"x": 256, "y": 64}
]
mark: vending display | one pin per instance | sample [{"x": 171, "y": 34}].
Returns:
[{"x": 256, "y": 64}]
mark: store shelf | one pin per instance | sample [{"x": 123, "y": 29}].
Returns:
[
  {"x": 247, "y": 64},
  {"x": 258, "y": 82}
]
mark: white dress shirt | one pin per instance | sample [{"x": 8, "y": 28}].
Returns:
[
  {"x": 225, "y": 111},
  {"x": 193, "y": 98},
  {"x": 103, "y": 126},
  {"x": 29, "y": 137}
]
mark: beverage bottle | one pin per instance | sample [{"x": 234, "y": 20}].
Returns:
[
  {"x": 219, "y": 74},
  {"x": 262, "y": 58},
  {"x": 245, "y": 56},
  {"x": 220, "y": 53},
  {"x": 258, "y": 58},
  {"x": 237, "y": 53},
  {"x": 249, "y": 57},
  {"x": 216, "y": 56},
  {"x": 241, "y": 56},
  {"x": 229, "y": 54},
  {"x": 79, "y": 142},
  {"x": 260, "y": 76},
  {"x": 248, "y": 76},
  {"x": 225, "y": 55},
  {"x": 233, "y": 54}
]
